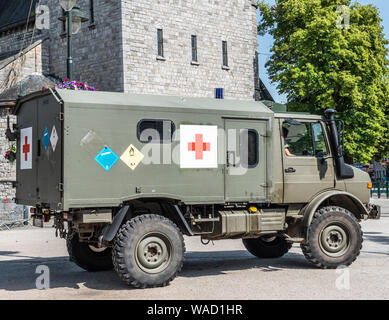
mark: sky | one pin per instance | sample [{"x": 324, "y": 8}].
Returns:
[{"x": 266, "y": 42}]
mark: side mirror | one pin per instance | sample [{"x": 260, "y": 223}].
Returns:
[{"x": 322, "y": 156}]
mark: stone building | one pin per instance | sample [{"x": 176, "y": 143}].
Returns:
[{"x": 198, "y": 48}]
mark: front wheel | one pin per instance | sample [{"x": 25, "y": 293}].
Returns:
[
  {"x": 267, "y": 246},
  {"x": 148, "y": 251},
  {"x": 334, "y": 238}
]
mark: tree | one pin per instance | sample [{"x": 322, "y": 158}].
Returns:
[{"x": 319, "y": 61}]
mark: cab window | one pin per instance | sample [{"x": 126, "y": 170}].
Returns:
[
  {"x": 304, "y": 139},
  {"x": 319, "y": 141}
]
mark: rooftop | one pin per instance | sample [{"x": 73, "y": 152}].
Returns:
[
  {"x": 14, "y": 13},
  {"x": 177, "y": 104}
]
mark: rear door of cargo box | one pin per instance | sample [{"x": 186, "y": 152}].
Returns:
[
  {"x": 44, "y": 177},
  {"x": 26, "y": 160}
]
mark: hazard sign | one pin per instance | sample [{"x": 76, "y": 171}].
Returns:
[
  {"x": 132, "y": 157},
  {"x": 54, "y": 138},
  {"x": 106, "y": 158}
]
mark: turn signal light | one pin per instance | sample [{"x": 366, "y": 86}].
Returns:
[
  {"x": 370, "y": 185},
  {"x": 253, "y": 209}
]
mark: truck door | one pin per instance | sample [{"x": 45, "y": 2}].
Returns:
[
  {"x": 26, "y": 168},
  {"x": 246, "y": 154},
  {"x": 39, "y": 162},
  {"x": 306, "y": 173}
]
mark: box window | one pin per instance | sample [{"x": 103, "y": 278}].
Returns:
[{"x": 155, "y": 131}]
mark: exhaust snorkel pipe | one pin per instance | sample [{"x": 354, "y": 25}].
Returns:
[{"x": 344, "y": 171}]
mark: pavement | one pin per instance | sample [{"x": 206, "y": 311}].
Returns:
[{"x": 224, "y": 270}]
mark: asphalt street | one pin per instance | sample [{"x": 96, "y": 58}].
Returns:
[{"x": 223, "y": 270}]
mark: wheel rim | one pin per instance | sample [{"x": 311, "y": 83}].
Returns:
[
  {"x": 334, "y": 240},
  {"x": 153, "y": 253}
]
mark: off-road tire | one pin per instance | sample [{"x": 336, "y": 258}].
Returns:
[
  {"x": 323, "y": 218},
  {"x": 83, "y": 256},
  {"x": 262, "y": 249},
  {"x": 127, "y": 244}
]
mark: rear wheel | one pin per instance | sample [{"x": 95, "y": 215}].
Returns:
[
  {"x": 148, "y": 251},
  {"x": 334, "y": 238},
  {"x": 89, "y": 257},
  {"x": 267, "y": 246}
]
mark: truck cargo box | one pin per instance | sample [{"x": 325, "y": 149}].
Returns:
[{"x": 80, "y": 149}]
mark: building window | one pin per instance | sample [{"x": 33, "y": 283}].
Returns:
[
  {"x": 249, "y": 148},
  {"x": 219, "y": 94},
  {"x": 91, "y": 12},
  {"x": 194, "y": 49},
  {"x": 225, "y": 54},
  {"x": 160, "y": 42},
  {"x": 64, "y": 21},
  {"x": 155, "y": 131}
]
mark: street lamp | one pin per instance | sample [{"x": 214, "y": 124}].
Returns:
[
  {"x": 67, "y": 5},
  {"x": 74, "y": 17}
]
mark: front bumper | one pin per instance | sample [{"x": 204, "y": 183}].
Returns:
[{"x": 374, "y": 211}]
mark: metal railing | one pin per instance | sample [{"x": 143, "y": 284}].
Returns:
[
  {"x": 381, "y": 189},
  {"x": 12, "y": 215}
]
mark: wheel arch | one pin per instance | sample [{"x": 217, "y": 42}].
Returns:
[
  {"x": 336, "y": 198},
  {"x": 168, "y": 209}
]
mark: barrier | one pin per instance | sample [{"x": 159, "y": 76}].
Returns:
[{"x": 380, "y": 189}]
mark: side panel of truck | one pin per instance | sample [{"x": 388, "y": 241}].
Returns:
[
  {"x": 88, "y": 184},
  {"x": 89, "y": 129}
]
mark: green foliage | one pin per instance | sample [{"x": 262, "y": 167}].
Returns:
[{"x": 319, "y": 66}]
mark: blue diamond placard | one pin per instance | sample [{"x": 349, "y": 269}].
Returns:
[
  {"x": 106, "y": 158},
  {"x": 46, "y": 139}
]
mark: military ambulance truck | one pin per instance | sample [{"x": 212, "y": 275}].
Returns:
[{"x": 124, "y": 177}]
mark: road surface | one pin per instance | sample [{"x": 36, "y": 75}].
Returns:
[{"x": 220, "y": 271}]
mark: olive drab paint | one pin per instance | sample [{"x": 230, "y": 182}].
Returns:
[{"x": 204, "y": 141}]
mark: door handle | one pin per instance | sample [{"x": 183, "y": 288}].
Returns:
[
  {"x": 231, "y": 154},
  {"x": 38, "y": 149},
  {"x": 290, "y": 170}
]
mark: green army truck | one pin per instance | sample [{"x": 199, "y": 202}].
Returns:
[{"x": 126, "y": 176}]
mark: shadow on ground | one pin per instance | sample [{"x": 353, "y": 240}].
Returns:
[
  {"x": 19, "y": 274},
  {"x": 377, "y": 237}
]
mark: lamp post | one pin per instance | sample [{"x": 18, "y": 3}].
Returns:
[{"x": 74, "y": 18}]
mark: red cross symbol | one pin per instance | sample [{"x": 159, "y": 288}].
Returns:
[
  {"x": 199, "y": 146},
  {"x": 26, "y": 148}
]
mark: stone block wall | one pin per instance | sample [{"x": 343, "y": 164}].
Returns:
[
  {"x": 212, "y": 22},
  {"x": 7, "y": 170},
  {"x": 97, "y": 54},
  {"x": 33, "y": 61}
]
